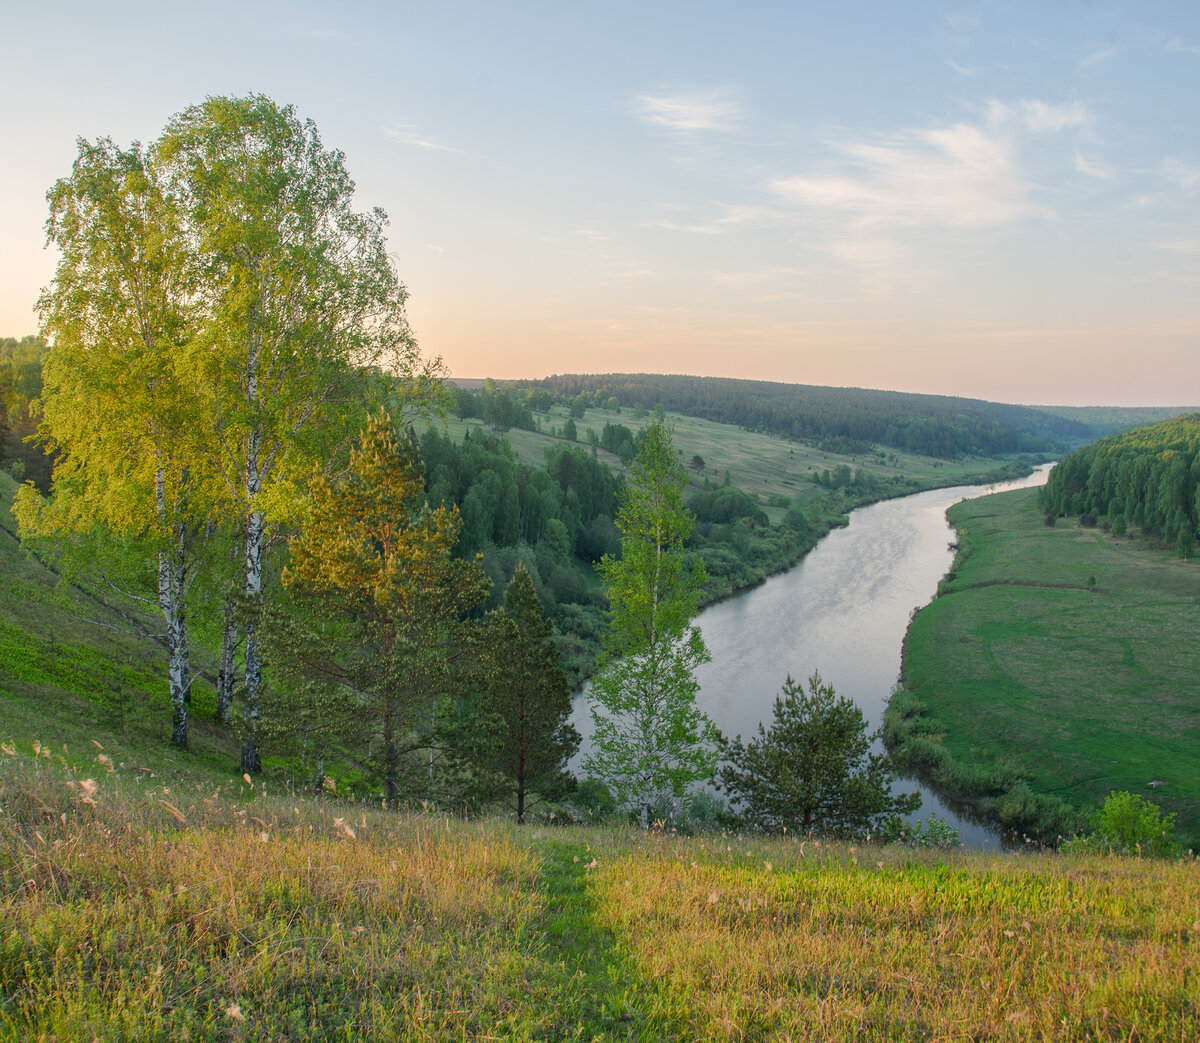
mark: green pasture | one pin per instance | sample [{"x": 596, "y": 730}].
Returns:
[
  {"x": 765, "y": 466},
  {"x": 1065, "y": 656}
]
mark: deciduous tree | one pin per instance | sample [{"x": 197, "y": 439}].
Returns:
[
  {"x": 651, "y": 742},
  {"x": 117, "y": 398},
  {"x": 299, "y": 301}
]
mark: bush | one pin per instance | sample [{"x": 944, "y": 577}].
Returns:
[
  {"x": 931, "y": 833},
  {"x": 1129, "y": 825}
]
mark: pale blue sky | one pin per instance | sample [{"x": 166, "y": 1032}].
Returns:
[{"x": 998, "y": 200}]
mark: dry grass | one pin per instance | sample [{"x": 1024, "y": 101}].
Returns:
[
  {"x": 130, "y": 910},
  {"x": 796, "y": 941}
]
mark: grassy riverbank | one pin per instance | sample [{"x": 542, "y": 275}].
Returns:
[
  {"x": 212, "y": 910},
  {"x": 1058, "y": 664}
]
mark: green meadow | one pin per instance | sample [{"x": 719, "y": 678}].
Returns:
[
  {"x": 769, "y": 468},
  {"x": 1057, "y": 664}
]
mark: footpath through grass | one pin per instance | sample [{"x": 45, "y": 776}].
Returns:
[
  {"x": 1058, "y": 664},
  {"x": 130, "y": 910}
]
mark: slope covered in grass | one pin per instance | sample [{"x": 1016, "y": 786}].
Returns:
[
  {"x": 130, "y": 909},
  {"x": 72, "y": 668}
]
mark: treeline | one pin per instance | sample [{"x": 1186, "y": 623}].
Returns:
[
  {"x": 844, "y": 420},
  {"x": 557, "y": 520},
  {"x": 20, "y": 385},
  {"x": 1147, "y": 479}
]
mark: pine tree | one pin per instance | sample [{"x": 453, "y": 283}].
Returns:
[
  {"x": 651, "y": 742},
  {"x": 526, "y": 696},
  {"x": 374, "y": 572},
  {"x": 813, "y": 771}
]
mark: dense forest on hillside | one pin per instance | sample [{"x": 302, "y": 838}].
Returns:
[
  {"x": 840, "y": 419},
  {"x": 1146, "y": 479}
]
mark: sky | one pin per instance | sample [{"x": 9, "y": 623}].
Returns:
[{"x": 993, "y": 200}]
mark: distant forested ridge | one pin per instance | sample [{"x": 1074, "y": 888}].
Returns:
[
  {"x": 1148, "y": 479},
  {"x": 840, "y": 419}
]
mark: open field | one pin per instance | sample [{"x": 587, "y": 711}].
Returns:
[
  {"x": 1024, "y": 669},
  {"x": 210, "y": 910},
  {"x": 765, "y": 466}
]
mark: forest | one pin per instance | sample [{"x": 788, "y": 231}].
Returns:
[
  {"x": 1146, "y": 479},
  {"x": 845, "y": 420}
]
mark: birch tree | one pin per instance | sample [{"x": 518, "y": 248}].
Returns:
[
  {"x": 651, "y": 742},
  {"x": 299, "y": 300},
  {"x": 115, "y": 401}
]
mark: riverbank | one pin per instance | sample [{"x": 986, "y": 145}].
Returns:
[{"x": 1057, "y": 664}]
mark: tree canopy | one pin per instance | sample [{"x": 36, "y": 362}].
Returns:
[
  {"x": 812, "y": 771},
  {"x": 651, "y": 742},
  {"x": 383, "y": 594}
]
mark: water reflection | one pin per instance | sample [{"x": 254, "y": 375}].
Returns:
[{"x": 842, "y": 611}]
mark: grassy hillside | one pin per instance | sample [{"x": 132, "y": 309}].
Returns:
[
  {"x": 72, "y": 668},
  {"x": 765, "y": 466},
  {"x": 131, "y": 909},
  {"x": 1059, "y": 662},
  {"x": 152, "y": 893},
  {"x": 936, "y": 424}
]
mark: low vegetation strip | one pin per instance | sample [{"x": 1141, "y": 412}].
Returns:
[
  {"x": 129, "y": 910},
  {"x": 1058, "y": 664}
]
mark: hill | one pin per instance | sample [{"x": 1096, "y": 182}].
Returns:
[
  {"x": 149, "y": 892},
  {"x": 1146, "y": 479},
  {"x": 209, "y": 910},
  {"x": 843, "y": 419}
]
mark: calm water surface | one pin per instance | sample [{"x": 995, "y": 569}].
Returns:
[{"x": 843, "y": 610}]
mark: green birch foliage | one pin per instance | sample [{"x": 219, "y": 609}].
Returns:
[
  {"x": 300, "y": 302},
  {"x": 118, "y": 396},
  {"x": 527, "y": 700},
  {"x": 384, "y": 596},
  {"x": 651, "y": 742},
  {"x": 813, "y": 770}
]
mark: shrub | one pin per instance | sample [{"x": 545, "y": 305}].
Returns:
[{"x": 1129, "y": 825}]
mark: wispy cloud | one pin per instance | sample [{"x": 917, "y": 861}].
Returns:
[
  {"x": 1041, "y": 117},
  {"x": 1176, "y": 44},
  {"x": 710, "y": 110},
  {"x": 410, "y": 134},
  {"x": 1092, "y": 168},
  {"x": 962, "y": 70},
  {"x": 732, "y": 218},
  {"x": 1183, "y": 174},
  {"x": 1098, "y": 57},
  {"x": 960, "y": 176},
  {"x": 1180, "y": 246},
  {"x": 878, "y": 199}
]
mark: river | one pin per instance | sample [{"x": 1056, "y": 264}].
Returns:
[{"x": 843, "y": 611}]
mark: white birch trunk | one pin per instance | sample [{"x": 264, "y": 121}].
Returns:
[{"x": 171, "y": 586}]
